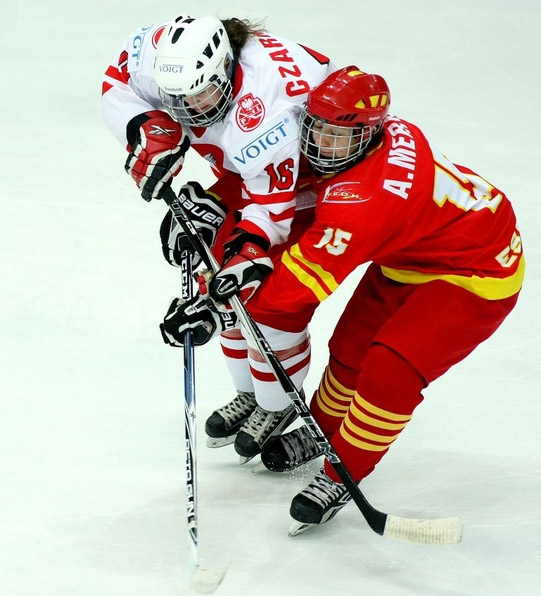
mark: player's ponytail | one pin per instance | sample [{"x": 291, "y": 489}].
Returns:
[{"x": 239, "y": 30}]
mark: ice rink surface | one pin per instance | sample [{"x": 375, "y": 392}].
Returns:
[{"x": 92, "y": 499}]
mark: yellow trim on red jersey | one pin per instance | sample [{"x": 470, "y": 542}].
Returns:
[
  {"x": 328, "y": 410},
  {"x": 328, "y": 394},
  {"x": 348, "y": 426},
  {"x": 325, "y": 399},
  {"x": 310, "y": 274},
  {"x": 486, "y": 287},
  {"x": 362, "y": 416},
  {"x": 370, "y": 435},
  {"x": 396, "y": 417},
  {"x": 359, "y": 443},
  {"x": 346, "y": 392}
]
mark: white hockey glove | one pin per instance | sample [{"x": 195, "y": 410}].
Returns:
[
  {"x": 196, "y": 315},
  {"x": 207, "y": 214},
  {"x": 246, "y": 264},
  {"x": 157, "y": 145}
]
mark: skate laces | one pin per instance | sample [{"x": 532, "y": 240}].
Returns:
[
  {"x": 323, "y": 491},
  {"x": 299, "y": 445},
  {"x": 262, "y": 422},
  {"x": 241, "y": 406}
]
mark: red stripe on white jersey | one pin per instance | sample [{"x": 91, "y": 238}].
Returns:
[
  {"x": 250, "y": 227},
  {"x": 283, "y": 354},
  {"x": 117, "y": 75},
  {"x": 233, "y": 334},
  {"x": 269, "y": 377},
  {"x": 234, "y": 353},
  {"x": 286, "y": 215},
  {"x": 272, "y": 198}
]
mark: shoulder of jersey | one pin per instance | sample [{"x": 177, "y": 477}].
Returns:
[
  {"x": 284, "y": 67},
  {"x": 261, "y": 101},
  {"x": 142, "y": 45}
]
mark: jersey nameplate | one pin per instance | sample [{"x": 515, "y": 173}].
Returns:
[{"x": 262, "y": 146}]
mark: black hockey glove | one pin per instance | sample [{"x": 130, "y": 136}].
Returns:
[
  {"x": 246, "y": 264},
  {"x": 196, "y": 315},
  {"x": 207, "y": 214},
  {"x": 157, "y": 145}
]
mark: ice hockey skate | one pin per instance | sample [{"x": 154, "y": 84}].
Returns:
[
  {"x": 224, "y": 423},
  {"x": 259, "y": 428},
  {"x": 319, "y": 502},
  {"x": 290, "y": 450}
]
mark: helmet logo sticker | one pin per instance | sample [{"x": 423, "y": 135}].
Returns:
[
  {"x": 250, "y": 112},
  {"x": 170, "y": 68}
]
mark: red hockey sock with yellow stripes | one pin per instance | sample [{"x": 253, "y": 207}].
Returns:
[{"x": 388, "y": 390}]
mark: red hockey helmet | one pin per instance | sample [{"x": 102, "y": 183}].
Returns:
[{"x": 342, "y": 115}]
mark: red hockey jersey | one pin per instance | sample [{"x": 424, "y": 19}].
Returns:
[{"x": 409, "y": 209}]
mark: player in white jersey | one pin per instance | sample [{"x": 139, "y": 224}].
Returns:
[{"x": 234, "y": 93}]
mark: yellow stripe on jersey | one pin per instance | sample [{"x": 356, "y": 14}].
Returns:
[
  {"x": 359, "y": 443},
  {"x": 346, "y": 392},
  {"x": 370, "y": 435},
  {"x": 396, "y": 417},
  {"x": 485, "y": 287},
  {"x": 326, "y": 409},
  {"x": 327, "y": 396},
  {"x": 310, "y": 274},
  {"x": 371, "y": 421},
  {"x": 353, "y": 432},
  {"x": 325, "y": 400}
]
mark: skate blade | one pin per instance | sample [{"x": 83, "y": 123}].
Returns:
[
  {"x": 243, "y": 460},
  {"x": 297, "y": 528},
  {"x": 219, "y": 442},
  {"x": 206, "y": 581},
  {"x": 259, "y": 467}
]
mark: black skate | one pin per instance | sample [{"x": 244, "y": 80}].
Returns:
[
  {"x": 259, "y": 427},
  {"x": 286, "y": 452},
  {"x": 224, "y": 423},
  {"x": 319, "y": 502}
]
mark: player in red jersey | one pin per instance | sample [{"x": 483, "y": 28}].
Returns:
[{"x": 446, "y": 268}]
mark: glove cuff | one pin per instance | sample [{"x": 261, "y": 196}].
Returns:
[{"x": 238, "y": 238}]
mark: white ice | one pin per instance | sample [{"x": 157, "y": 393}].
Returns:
[{"x": 92, "y": 497}]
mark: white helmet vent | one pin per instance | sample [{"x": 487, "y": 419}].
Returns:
[{"x": 178, "y": 31}]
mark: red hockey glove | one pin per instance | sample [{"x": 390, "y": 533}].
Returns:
[
  {"x": 246, "y": 264},
  {"x": 207, "y": 214},
  {"x": 197, "y": 316},
  {"x": 157, "y": 145}
]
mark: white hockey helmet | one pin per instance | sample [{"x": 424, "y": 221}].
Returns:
[{"x": 193, "y": 69}]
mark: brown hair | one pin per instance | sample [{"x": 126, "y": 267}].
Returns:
[{"x": 239, "y": 30}]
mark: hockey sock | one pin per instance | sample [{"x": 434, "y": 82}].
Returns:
[
  {"x": 388, "y": 390},
  {"x": 330, "y": 402}
]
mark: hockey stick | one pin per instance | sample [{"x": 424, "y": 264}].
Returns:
[
  {"x": 204, "y": 581},
  {"x": 446, "y": 530}
]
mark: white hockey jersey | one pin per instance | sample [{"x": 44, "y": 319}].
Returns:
[{"x": 258, "y": 139}]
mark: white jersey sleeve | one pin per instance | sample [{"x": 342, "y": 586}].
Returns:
[
  {"x": 128, "y": 86},
  {"x": 258, "y": 138}
]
